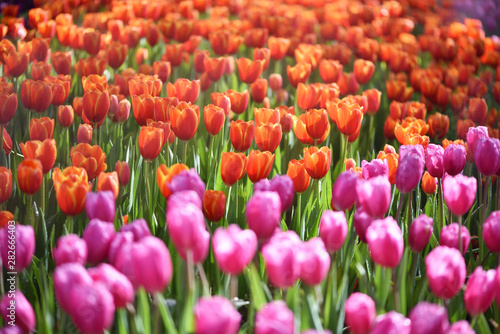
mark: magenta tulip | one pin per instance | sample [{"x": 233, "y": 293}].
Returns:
[
  {"x": 420, "y": 233},
  {"x": 120, "y": 239},
  {"x": 446, "y": 271},
  {"x": 333, "y": 229},
  {"x": 385, "y": 242},
  {"x": 17, "y": 310},
  {"x": 491, "y": 232},
  {"x": 406, "y": 150},
  {"x": 434, "y": 156},
  {"x": 263, "y": 213},
  {"x": 459, "y": 193},
  {"x": 187, "y": 180},
  {"x": 24, "y": 246},
  {"x": 450, "y": 235},
  {"x": 374, "y": 168},
  {"x": 473, "y": 136},
  {"x": 115, "y": 282},
  {"x": 362, "y": 221},
  {"x": 313, "y": 331},
  {"x": 67, "y": 276},
  {"x": 98, "y": 236},
  {"x": 274, "y": 318},
  {"x": 233, "y": 248},
  {"x": 70, "y": 248},
  {"x": 215, "y": 315},
  {"x": 480, "y": 291},
  {"x": 313, "y": 260},
  {"x": 11, "y": 330},
  {"x": 409, "y": 172},
  {"x": 498, "y": 286},
  {"x": 343, "y": 192},
  {"x": 360, "y": 313},
  {"x": 391, "y": 323},
  {"x": 184, "y": 197},
  {"x": 460, "y": 327},
  {"x": 427, "y": 318},
  {"x": 487, "y": 156},
  {"x": 454, "y": 159},
  {"x": 280, "y": 257},
  {"x": 139, "y": 228},
  {"x": 282, "y": 184},
  {"x": 101, "y": 205},
  {"x": 374, "y": 195}
]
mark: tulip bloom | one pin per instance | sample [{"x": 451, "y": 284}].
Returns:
[
  {"x": 165, "y": 174},
  {"x": 98, "y": 236},
  {"x": 373, "y": 97},
  {"x": 84, "y": 134},
  {"x": 348, "y": 117},
  {"x": 233, "y": 167},
  {"x": 317, "y": 124},
  {"x": 184, "y": 121},
  {"x": 259, "y": 165},
  {"x": 450, "y": 237},
  {"x": 115, "y": 282},
  {"x": 429, "y": 183},
  {"x": 214, "y": 205},
  {"x": 25, "y": 319},
  {"x": 363, "y": 70},
  {"x": 333, "y": 229},
  {"x": 427, "y": 318},
  {"x": 391, "y": 322},
  {"x": 298, "y": 73},
  {"x": 434, "y": 156},
  {"x": 45, "y": 152},
  {"x": 343, "y": 194},
  {"x": 280, "y": 255},
  {"x": 409, "y": 172},
  {"x": 329, "y": 70},
  {"x": 460, "y": 327},
  {"x": 8, "y": 107},
  {"x": 29, "y": 175},
  {"x": 184, "y": 90},
  {"x": 374, "y": 195},
  {"x": 308, "y": 96},
  {"x": 360, "y": 313},
  {"x": 281, "y": 184},
  {"x": 188, "y": 180},
  {"x": 233, "y": 248},
  {"x": 71, "y": 186},
  {"x": 446, "y": 271},
  {"x": 385, "y": 241},
  {"x": 239, "y": 101},
  {"x": 70, "y": 249},
  {"x": 420, "y": 233},
  {"x": 454, "y": 159},
  {"x": 263, "y": 213},
  {"x": 487, "y": 156},
  {"x": 61, "y": 61},
  {"x": 480, "y": 291},
  {"x": 65, "y": 115},
  {"x": 214, "y": 119},
  {"x": 95, "y": 106},
  {"x": 215, "y": 315},
  {"x": 23, "y": 238},
  {"x": 459, "y": 193},
  {"x": 473, "y": 135},
  {"x": 374, "y": 168},
  {"x": 150, "y": 142},
  {"x": 317, "y": 161},
  {"x": 249, "y": 70},
  {"x": 313, "y": 260},
  {"x": 91, "y": 158},
  {"x": 41, "y": 128},
  {"x": 268, "y": 136},
  {"x": 274, "y": 317},
  {"x": 5, "y": 184},
  {"x": 241, "y": 134}
]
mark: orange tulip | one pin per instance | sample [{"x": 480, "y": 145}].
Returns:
[
  {"x": 429, "y": 183},
  {"x": 239, "y": 101},
  {"x": 166, "y": 128},
  {"x": 91, "y": 158},
  {"x": 308, "y": 96},
  {"x": 5, "y": 184},
  {"x": 278, "y": 47},
  {"x": 71, "y": 186},
  {"x": 300, "y": 130},
  {"x": 317, "y": 161},
  {"x": 8, "y": 107},
  {"x": 214, "y": 119},
  {"x": 438, "y": 125},
  {"x": 95, "y": 82},
  {"x": 184, "y": 90},
  {"x": 173, "y": 54},
  {"x": 262, "y": 54},
  {"x": 184, "y": 120},
  {"x": 348, "y": 118},
  {"x": 91, "y": 65},
  {"x": 47, "y": 29},
  {"x": 241, "y": 134},
  {"x": 60, "y": 87},
  {"x": 373, "y": 97},
  {"x": 36, "y": 95},
  {"x": 233, "y": 167},
  {"x": 108, "y": 181},
  {"x": 40, "y": 70},
  {"x": 259, "y": 165},
  {"x": 397, "y": 90},
  {"x": 123, "y": 171},
  {"x": 256, "y": 37},
  {"x": 329, "y": 70},
  {"x": 41, "y": 128},
  {"x": 39, "y": 48},
  {"x": 5, "y": 218},
  {"x": 162, "y": 107},
  {"x": 258, "y": 89},
  {"x": 199, "y": 57},
  {"x": 29, "y": 176},
  {"x": 84, "y": 134},
  {"x": 61, "y": 61},
  {"x": 214, "y": 205},
  {"x": 363, "y": 70},
  {"x": 478, "y": 110},
  {"x": 162, "y": 69},
  {"x": 298, "y": 174},
  {"x": 95, "y": 106},
  {"x": 268, "y": 136},
  {"x": 392, "y": 161},
  {"x": 144, "y": 107},
  {"x": 249, "y": 70},
  {"x": 16, "y": 63},
  {"x": 298, "y": 73},
  {"x": 65, "y": 115},
  {"x": 144, "y": 84},
  {"x": 165, "y": 174},
  {"x": 45, "y": 152},
  {"x": 150, "y": 142},
  {"x": 317, "y": 123},
  {"x": 7, "y": 142},
  {"x": 221, "y": 100},
  {"x": 214, "y": 67},
  {"x": 265, "y": 115}
]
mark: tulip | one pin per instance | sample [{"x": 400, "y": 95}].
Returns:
[
  {"x": 29, "y": 176},
  {"x": 281, "y": 184},
  {"x": 363, "y": 70},
  {"x": 258, "y": 89},
  {"x": 460, "y": 327},
  {"x": 16, "y": 63},
  {"x": 24, "y": 245},
  {"x": 214, "y": 205},
  {"x": 434, "y": 156},
  {"x": 215, "y": 315},
  {"x": 233, "y": 167},
  {"x": 233, "y": 248},
  {"x": 454, "y": 159},
  {"x": 274, "y": 318},
  {"x": 91, "y": 158},
  {"x": 385, "y": 241},
  {"x": 263, "y": 213},
  {"x": 17, "y": 304},
  {"x": 298, "y": 73},
  {"x": 239, "y": 101},
  {"x": 241, "y": 134},
  {"x": 278, "y": 47},
  {"x": 101, "y": 205},
  {"x": 478, "y": 110},
  {"x": 373, "y": 96},
  {"x": 459, "y": 193},
  {"x": 66, "y": 277},
  {"x": 317, "y": 124},
  {"x": 409, "y": 172},
  {"x": 329, "y": 70},
  {"x": 98, "y": 236},
  {"x": 275, "y": 81},
  {"x": 420, "y": 233},
  {"x": 36, "y": 95},
  {"x": 162, "y": 69},
  {"x": 259, "y": 165},
  {"x": 109, "y": 182},
  {"x": 429, "y": 183},
  {"x": 139, "y": 229},
  {"x": 268, "y": 136},
  {"x": 343, "y": 197},
  {"x": 348, "y": 117},
  {"x": 480, "y": 291},
  {"x": 313, "y": 260},
  {"x": 61, "y": 61},
  {"x": 8, "y": 107},
  {"x": 298, "y": 173},
  {"x": 70, "y": 249},
  {"x": 187, "y": 180},
  {"x": 45, "y": 152},
  {"x": 41, "y": 128},
  {"x": 5, "y": 184},
  {"x": 115, "y": 282},
  {"x": 427, "y": 318},
  {"x": 491, "y": 232},
  {"x": 374, "y": 168},
  {"x": 150, "y": 142},
  {"x": 360, "y": 313},
  {"x": 249, "y": 70},
  {"x": 214, "y": 119},
  {"x": 164, "y": 175},
  {"x": 374, "y": 195},
  {"x": 144, "y": 108},
  {"x": 308, "y": 96},
  {"x": 438, "y": 125},
  {"x": 95, "y": 106},
  {"x": 84, "y": 134},
  {"x": 123, "y": 171},
  {"x": 391, "y": 322},
  {"x": 473, "y": 136},
  {"x": 71, "y": 186},
  {"x": 184, "y": 89},
  {"x": 450, "y": 236},
  {"x": 65, "y": 115},
  {"x": 317, "y": 161},
  {"x": 333, "y": 229},
  {"x": 487, "y": 155},
  {"x": 446, "y": 271},
  {"x": 184, "y": 121}
]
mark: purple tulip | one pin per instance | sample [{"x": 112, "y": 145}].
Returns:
[
  {"x": 98, "y": 236},
  {"x": 138, "y": 227},
  {"x": 473, "y": 136},
  {"x": 120, "y": 239},
  {"x": 233, "y": 248},
  {"x": 187, "y": 180},
  {"x": 480, "y": 291},
  {"x": 450, "y": 235},
  {"x": 333, "y": 229},
  {"x": 409, "y": 172},
  {"x": 487, "y": 156},
  {"x": 280, "y": 257},
  {"x": 461, "y": 327},
  {"x": 386, "y": 242},
  {"x": 434, "y": 156},
  {"x": 406, "y": 150},
  {"x": 343, "y": 192},
  {"x": 491, "y": 232},
  {"x": 134, "y": 261},
  {"x": 454, "y": 159},
  {"x": 376, "y": 167},
  {"x": 420, "y": 233},
  {"x": 23, "y": 237},
  {"x": 427, "y": 318},
  {"x": 459, "y": 193},
  {"x": 391, "y": 323},
  {"x": 17, "y": 310},
  {"x": 183, "y": 197},
  {"x": 101, "y": 205},
  {"x": 360, "y": 313},
  {"x": 67, "y": 276},
  {"x": 283, "y": 185},
  {"x": 70, "y": 248},
  {"x": 446, "y": 271},
  {"x": 115, "y": 282},
  {"x": 274, "y": 318},
  {"x": 215, "y": 315},
  {"x": 362, "y": 221},
  {"x": 374, "y": 195},
  {"x": 313, "y": 260},
  {"x": 263, "y": 213}
]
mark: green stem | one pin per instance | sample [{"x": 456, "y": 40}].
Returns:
[
  {"x": 42, "y": 201},
  {"x": 233, "y": 287},
  {"x": 190, "y": 270},
  {"x": 460, "y": 234},
  {"x": 331, "y": 290},
  {"x": 441, "y": 206},
  {"x": 301, "y": 227},
  {"x": 185, "y": 152},
  {"x": 314, "y": 309},
  {"x": 29, "y": 211},
  {"x": 345, "y": 141}
]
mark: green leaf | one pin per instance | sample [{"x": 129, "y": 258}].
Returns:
[{"x": 258, "y": 297}]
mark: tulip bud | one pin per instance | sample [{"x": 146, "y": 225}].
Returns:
[
  {"x": 215, "y": 315},
  {"x": 409, "y": 172},
  {"x": 429, "y": 183},
  {"x": 233, "y": 248},
  {"x": 420, "y": 233},
  {"x": 491, "y": 232},
  {"x": 473, "y": 136},
  {"x": 434, "y": 156},
  {"x": 450, "y": 236},
  {"x": 17, "y": 304},
  {"x": 427, "y": 318},
  {"x": 446, "y": 271},
  {"x": 374, "y": 195},
  {"x": 360, "y": 313},
  {"x": 297, "y": 172},
  {"x": 362, "y": 221},
  {"x": 263, "y": 213},
  {"x": 139, "y": 228},
  {"x": 120, "y": 239},
  {"x": 487, "y": 156},
  {"x": 281, "y": 184},
  {"x": 274, "y": 317},
  {"x": 24, "y": 246},
  {"x": 385, "y": 241},
  {"x": 70, "y": 249},
  {"x": 313, "y": 260},
  {"x": 29, "y": 175},
  {"x": 66, "y": 277},
  {"x": 113, "y": 105},
  {"x": 275, "y": 81},
  {"x": 480, "y": 291},
  {"x": 460, "y": 327},
  {"x": 391, "y": 322},
  {"x": 123, "y": 171},
  {"x": 333, "y": 229},
  {"x": 459, "y": 193},
  {"x": 98, "y": 236},
  {"x": 84, "y": 134},
  {"x": 454, "y": 159},
  {"x": 65, "y": 115},
  {"x": 115, "y": 282},
  {"x": 100, "y": 205},
  {"x": 280, "y": 257},
  {"x": 123, "y": 112},
  {"x": 343, "y": 194}
]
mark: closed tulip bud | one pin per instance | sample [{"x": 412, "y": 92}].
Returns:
[
  {"x": 275, "y": 81},
  {"x": 5, "y": 184},
  {"x": 409, "y": 172},
  {"x": 454, "y": 159},
  {"x": 150, "y": 142},
  {"x": 139, "y": 229},
  {"x": 450, "y": 236},
  {"x": 280, "y": 257},
  {"x": 8, "y": 103},
  {"x": 259, "y": 165},
  {"x": 360, "y": 313},
  {"x": 241, "y": 134},
  {"x": 374, "y": 195},
  {"x": 473, "y": 135},
  {"x": 233, "y": 248},
  {"x": 263, "y": 213},
  {"x": 459, "y": 193},
  {"x": 41, "y": 128},
  {"x": 214, "y": 119},
  {"x": 434, "y": 155},
  {"x": 460, "y": 327},
  {"x": 24, "y": 243},
  {"x": 115, "y": 282},
  {"x": 123, "y": 171},
  {"x": 98, "y": 236},
  {"x": 274, "y": 317},
  {"x": 29, "y": 176},
  {"x": 258, "y": 89},
  {"x": 427, "y": 318},
  {"x": 480, "y": 291},
  {"x": 25, "y": 318},
  {"x": 373, "y": 96},
  {"x": 101, "y": 205},
  {"x": 374, "y": 168},
  {"x": 363, "y": 70},
  {"x": 298, "y": 173},
  {"x": 215, "y": 315},
  {"x": 429, "y": 183},
  {"x": 317, "y": 161},
  {"x": 70, "y": 249},
  {"x": 233, "y": 167},
  {"x": 420, "y": 233},
  {"x": 446, "y": 271},
  {"x": 333, "y": 229},
  {"x": 391, "y": 322},
  {"x": 65, "y": 115},
  {"x": 84, "y": 134},
  {"x": 123, "y": 112},
  {"x": 281, "y": 184},
  {"x": 313, "y": 260},
  {"x": 491, "y": 232},
  {"x": 385, "y": 241},
  {"x": 214, "y": 205},
  {"x": 487, "y": 156},
  {"x": 343, "y": 192}
]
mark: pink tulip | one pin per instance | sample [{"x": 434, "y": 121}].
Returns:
[
  {"x": 16, "y": 309},
  {"x": 454, "y": 159},
  {"x": 385, "y": 242},
  {"x": 101, "y": 205},
  {"x": 67, "y": 276},
  {"x": 487, "y": 156},
  {"x": 115, "y": 282},
  {"x": 491, "y": 232},
  {"x": 24, "y": 243},
  {"x": 427, "y": 318},
  {"x": 333, "y": 229},
  {"x": 459, "y": 193},
  {"x": 446, "y": 271},
  {"x": 120, "y": 239},
  {"x": 187, "y": 180},
  {"x": 11, "y": 330},
  {"x": 274, "y": 318},
  {"x": 134, "y": 261},
  {"x": 374, "y": 195},
  {"x": 280, "y": 257},
  {"x": 473, "y": 136},
  {"x": 361, "y": 222},
  {"x": 450, "y": 234},
  {"x": 409, "y": 172},
  {"x": 343, "y": 192},
  {"x": 391, "y": 323},
  {"x": 263, "y": 213},
  {"x": 183, "y": 197},
  {"x": 233, "y": 248},
  {"x": 360, "y": 313},
  {"x": 98, "y": 236},
  {"x": 374, "y": 168},
  {"x": 281, "y": 184},
  {"x": 406, "y": 150},
  {"x": 139, "y": 228},
  {"x": 420, "y": 233},
  {"x": 480, "y": 291},
  {"x": 313, "y": 331},
  {"x": 215, "y": 315},
  {"x": 461, "y": 327},
  {"x": 314, "y": 261},
  {"x": 497, "y": 280},
  {"x": 434, "y": 156},
  {"x": 70, "y": 248}
]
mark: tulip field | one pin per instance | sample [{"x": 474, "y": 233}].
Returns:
[{"x": 241, "y": 166}]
